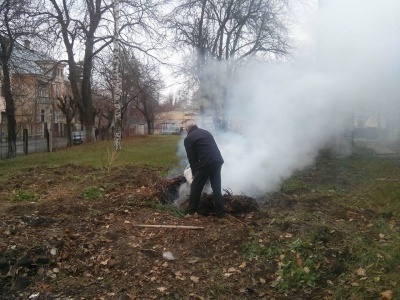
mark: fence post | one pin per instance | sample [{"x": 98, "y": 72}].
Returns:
[
  {"x": 25, "y": 139},
  {"x": 47, "y": 135},
  {"x": 50, "y": 143}
]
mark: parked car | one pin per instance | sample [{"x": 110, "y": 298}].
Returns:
[{"x": 77, "y": 137}]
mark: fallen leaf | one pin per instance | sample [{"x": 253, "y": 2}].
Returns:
[
  {"x": 104, "y": 263},
  {"x": 193, "y": 260},
  {"x": 299, "y": 262},
  {"x": 243, "y": 265},
  {"x": 194, "y": 279},
  {"x": 387, "y": 295},
  {"x": 232, "y": 270},
  {"x": 262, "y": 280},
  {"x": 162, "y": 289},
  {"x": 361, "y": 272}
]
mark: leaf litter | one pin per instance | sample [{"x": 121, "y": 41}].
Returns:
[{"x": 68, "y": 247}]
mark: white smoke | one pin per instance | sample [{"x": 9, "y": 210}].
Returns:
[{"x": 289, "y": 111}]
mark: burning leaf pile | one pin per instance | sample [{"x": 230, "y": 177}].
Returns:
[{"x": 234, "y": 204}]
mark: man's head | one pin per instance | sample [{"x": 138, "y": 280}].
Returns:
[{"x": 189, "y": 124}]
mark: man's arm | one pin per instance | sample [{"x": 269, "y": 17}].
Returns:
[{"x": 191, "y": 155}]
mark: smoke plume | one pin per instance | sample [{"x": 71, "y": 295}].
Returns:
[{"x": 289, "y": 111}]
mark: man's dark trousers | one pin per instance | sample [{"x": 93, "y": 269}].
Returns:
[{"x": 212, "y": 172}]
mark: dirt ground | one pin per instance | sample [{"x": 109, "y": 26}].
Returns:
[{"x": 66, "y": 246}]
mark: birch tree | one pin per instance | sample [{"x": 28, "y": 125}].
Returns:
[
  {"x": 85, "y": 27},
  {"x": 140, "y": 88},
  {"x": 116, "y": 80}
]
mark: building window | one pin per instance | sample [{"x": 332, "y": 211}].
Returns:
[
  {"x": 43, "y": 91},
  {"x": 42, "y": 115}
]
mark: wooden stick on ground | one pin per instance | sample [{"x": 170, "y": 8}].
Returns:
[{"x": 168, "y": 226}]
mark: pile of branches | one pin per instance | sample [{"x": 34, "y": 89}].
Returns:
[
  {"x": 168, "y": 189},
  {"x": 234, "y": 204}
]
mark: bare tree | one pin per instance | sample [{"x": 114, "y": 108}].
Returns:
[
  {"x": 86, "y": 28},
  {"x": 79, "y": 31},
  {"x": 14, "y": 24},
  {"x": 140, "y": 88},
  {"x": 68, "y": 107},
  {"x": 232, "y": 31}
]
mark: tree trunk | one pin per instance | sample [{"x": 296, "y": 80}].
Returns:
[
  {"x": 116, "y": 80},
  {"x": 87, "y": 91},
  {"x": 150, "y": 130},
  {"x": 10, "y": 110}
]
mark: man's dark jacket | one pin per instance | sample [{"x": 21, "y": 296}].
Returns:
[{"x": 201, "y": 149}]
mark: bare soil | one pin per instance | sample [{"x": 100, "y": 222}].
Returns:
[{"x": 67, "y": 247}]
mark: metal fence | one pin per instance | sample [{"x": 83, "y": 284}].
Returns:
[
  {"x": 35, "y": 137},
  {"x": 33, "y": 144}
]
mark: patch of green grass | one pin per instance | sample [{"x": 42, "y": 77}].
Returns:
[
  {"x": 299, "y": 265},
  {"x": 292, "y": 275},
  {"x": 21, "y": 195},
  {"x": 256, "y": 251},
  {"x": 293, "y": 183},
  {"x": 155, "y": 151},
  {"x": 92, "y": 193},
  {"x": 378, "y": 195}
]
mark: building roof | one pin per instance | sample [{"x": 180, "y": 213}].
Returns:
[{"x": 29, "y": 62}]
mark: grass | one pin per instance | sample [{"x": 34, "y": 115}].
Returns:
[
  {"x": 21, "y": 195},
  {"x": 92, "y": 193},
  {"x": 364, "y": 183},
  {"x": 156, "y": 150}
]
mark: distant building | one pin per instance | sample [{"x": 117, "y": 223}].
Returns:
[
  {"x": 37, "y": 80},
  {"x": 172, "y": 122}
]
